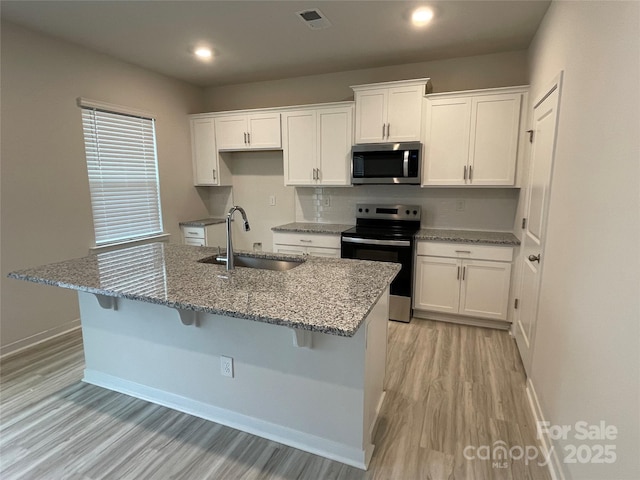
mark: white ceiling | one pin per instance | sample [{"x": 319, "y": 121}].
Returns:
[{"x": 265, "y": 40}]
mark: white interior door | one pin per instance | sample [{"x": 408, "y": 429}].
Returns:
[{"x": 545, "y": 116}]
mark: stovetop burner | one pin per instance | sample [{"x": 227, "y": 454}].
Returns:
[{"x": 385, "y": 222}]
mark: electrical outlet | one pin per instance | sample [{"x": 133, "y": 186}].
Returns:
[
  {"x": 272, "y": 200},
  {"x": 226, "y": 366},
  {"x": 460, "y": 205},
  {"x": 326, "y": 201}
]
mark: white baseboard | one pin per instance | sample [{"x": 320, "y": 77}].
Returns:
[
  {"x": 461, "y": 320},
  {"x": 287, "y": 436},
  {"x": 555, "y": 468},
  {"x": 33, "y": 340}
]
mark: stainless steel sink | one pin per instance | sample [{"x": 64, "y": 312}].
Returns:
[{"x": 248, "y": 261}]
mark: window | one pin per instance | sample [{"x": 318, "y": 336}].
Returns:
[{"x": 120, "y": 148}]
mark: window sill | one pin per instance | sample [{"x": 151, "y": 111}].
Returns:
[{"x": 163, "y": 237}]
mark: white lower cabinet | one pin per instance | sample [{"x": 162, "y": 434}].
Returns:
[
  {"x": 205, "y": 236},
  {"x": 461, "y": 279},
  {"x": 315, "y": 244}
]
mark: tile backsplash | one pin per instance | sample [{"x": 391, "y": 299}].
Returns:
[{"x": 471, "y": 209}]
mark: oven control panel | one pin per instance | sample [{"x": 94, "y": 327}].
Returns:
[{"x": 388, "y": 212}]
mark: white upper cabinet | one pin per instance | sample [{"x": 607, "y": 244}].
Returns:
[
  {"x": 254, "y": 131},
  {"x": 472, "y": 138},
  {"x": 207, "y": 167},
  {"x": 389, "y": 112},
  {"x": 317, "y": 145}
]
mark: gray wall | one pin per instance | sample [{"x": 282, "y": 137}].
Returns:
[
  {"x": 483, "y": 71},
  {"x": 586, "y": 352},
  {"x": 46, "y": 210}
]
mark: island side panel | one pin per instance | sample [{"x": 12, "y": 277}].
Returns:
[{"x": 313, "y": 399}]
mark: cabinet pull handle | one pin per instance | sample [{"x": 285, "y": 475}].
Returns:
[
  {"x": 384, "y": 125},
  {"x": 458, "y": 276},
  {"x": 214, "y": 173},
  {"x": 463, "y": 251},
  {"x": 305, "y": 241},
  {"x": 249, "y": 138},
  {"x": 470, "y": 173},
  {"x": 317, "y": 174},
  {"x": 464, "y": 271},
  {"x": 465, "y": 174},
  {"x": 314, "y": 173},
  {"x": 388, "y": 130}
]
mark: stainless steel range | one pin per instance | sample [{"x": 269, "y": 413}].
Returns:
[{"x": 385, "y": 233}]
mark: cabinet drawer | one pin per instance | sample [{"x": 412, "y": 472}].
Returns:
[
  {"x": 307, "y": 239},
  {"x": 466, "y": 250},
  {"x": 198, "y": 242},
  {"x": 193, "y": 232}
]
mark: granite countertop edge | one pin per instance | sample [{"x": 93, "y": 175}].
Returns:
[
  {"x": 309, "y": 323},
  {"x": 203, "y": 222},
  {"x": 310, "y": 227},
  {"x": 468, "y": 236}
]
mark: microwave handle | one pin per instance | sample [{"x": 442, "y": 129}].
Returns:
[{"x": 405, "y": 164}]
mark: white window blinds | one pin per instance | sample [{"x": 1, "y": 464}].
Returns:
[{"x": 123, "y": 175}]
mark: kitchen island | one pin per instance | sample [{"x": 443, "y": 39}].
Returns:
[{"x": 307, "y": 345}]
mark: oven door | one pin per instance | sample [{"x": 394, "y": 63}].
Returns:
[{"x": 396, "y": 251}]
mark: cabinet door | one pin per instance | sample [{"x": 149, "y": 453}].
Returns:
[
  {"x": 299, "y": 147},
  {"x": 485, "y": 289},
  {"x": 231, "y": 132},
  {"x": 437, "y": 284},
  {"x": 404, "y": 113},
  {"x": 371, "y": 115},
  {"x": 335, "y": 137},
  {"x": 446, "y": 149},
  {"x": 495, "y": 122},
  {"x": 264, "y": 131},
  {"x": 204, "y": 153}
]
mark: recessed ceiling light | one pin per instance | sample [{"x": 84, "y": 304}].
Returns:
[
  {"x": 421, "y": 16},
  {"x": 203, "y": 53}
]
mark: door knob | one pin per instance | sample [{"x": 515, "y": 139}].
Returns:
[{"x": 534, "y": 258}]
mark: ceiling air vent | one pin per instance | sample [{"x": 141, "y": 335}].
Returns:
[{"x": 314, "y": 19}]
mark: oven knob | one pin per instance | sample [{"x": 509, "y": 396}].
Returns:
[
  {"x": 366, "y": 210},
  {"x": 415, "y": 212},
  {"x": 407, "y": 212},
  {"x": 360, "y": 210}
]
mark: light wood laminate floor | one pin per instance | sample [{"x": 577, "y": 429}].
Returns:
[{"x": 448, "y": 386}]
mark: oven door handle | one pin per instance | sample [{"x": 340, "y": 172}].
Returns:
[{"x": 371, "y": 241}]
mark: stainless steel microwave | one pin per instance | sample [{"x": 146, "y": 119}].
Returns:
[{"x": 386, "y": 163}]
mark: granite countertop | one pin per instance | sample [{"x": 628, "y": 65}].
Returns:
[
  {"x": 467, "y": 236},
  {"x": 203, "y": 222},
  {"x": 301, "y": 227},
  {"x": 326, "y": 295}
]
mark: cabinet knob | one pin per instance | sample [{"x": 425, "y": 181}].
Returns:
[{"x": 534, "y": 258}]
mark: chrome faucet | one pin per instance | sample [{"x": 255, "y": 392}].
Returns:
[{"x": 228, "y": 259}]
